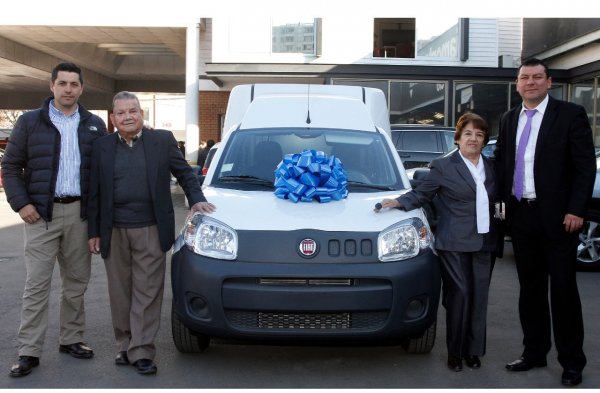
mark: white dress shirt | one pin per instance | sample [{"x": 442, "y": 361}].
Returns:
[
  {"x": 482, "y": 202},
  {"x": 536, "y": 121}
]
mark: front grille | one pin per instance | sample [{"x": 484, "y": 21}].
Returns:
[
  {"x": 284, "y": 246},
  {"x": 306, "y": 281},
  {"x": 306, "y": 321}
]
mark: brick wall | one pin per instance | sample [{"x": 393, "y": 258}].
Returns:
[{"x": 212, "y": 106}]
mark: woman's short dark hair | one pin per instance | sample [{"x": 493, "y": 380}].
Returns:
[{"x": 478, "y": 122}]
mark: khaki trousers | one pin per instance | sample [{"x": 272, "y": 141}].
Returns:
[
  {"x": 135, "y": 269},
  {"x": 63, "y": 239}
]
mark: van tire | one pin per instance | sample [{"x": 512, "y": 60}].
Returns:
[
  {"x": 185, "y": 340},
  {"x": 422, "y": 343}
]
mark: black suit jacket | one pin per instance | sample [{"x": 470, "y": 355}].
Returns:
[
  {"x": 564, "y": 163},
  {"x": 451, "y": 180},
  {"x": 163, "y": 158}
]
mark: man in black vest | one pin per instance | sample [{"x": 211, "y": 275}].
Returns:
[{"x": 132, "y": 223}]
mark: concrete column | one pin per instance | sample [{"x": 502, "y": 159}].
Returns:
[{"x": 192, "y": 93}]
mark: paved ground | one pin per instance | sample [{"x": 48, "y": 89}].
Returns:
[{"x": 235, "y": 365}]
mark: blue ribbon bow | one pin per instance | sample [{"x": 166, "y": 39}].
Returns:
[{"x": 311, "y": 175}]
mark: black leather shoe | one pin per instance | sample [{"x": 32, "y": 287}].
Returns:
[
  {"x": 454, "y": 363},
  {"x": 145, "y": 366},
  {"x": 473, "y": 361},
  {"x": 571, "y": 377},
  {"x": 77, "y": 350},
  {"x": 524, "y": 364},
  {"x": 25, "y": 364},
  {"x": 121, "y": 359}
]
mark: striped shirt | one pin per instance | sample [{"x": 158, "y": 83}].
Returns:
[{"x": 68, "y": 181}]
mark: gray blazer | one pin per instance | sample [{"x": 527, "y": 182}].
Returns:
[{"x": 452, "y": 182}]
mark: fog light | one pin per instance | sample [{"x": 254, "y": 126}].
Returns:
[
  {"x": 415, "y": 309},
  {"x": 199, "y": 307}
]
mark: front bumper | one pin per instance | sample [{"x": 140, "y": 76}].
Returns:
[{"x": 265, "y": 300}]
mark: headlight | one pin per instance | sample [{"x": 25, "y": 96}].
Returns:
[
  {"x": 403, "y": 240},
  {"x": 209, "y": 237}
]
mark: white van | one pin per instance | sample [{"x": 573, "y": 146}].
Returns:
[{"x": 269, "y": 266}]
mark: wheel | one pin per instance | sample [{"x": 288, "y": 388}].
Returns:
[
  {"x": 588, "y": 250},
  {"x": 185, "y": 340},
  {"x": 422, "y": 343}
]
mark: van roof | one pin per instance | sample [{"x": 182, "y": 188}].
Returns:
[{"x": 306, "y": 106}]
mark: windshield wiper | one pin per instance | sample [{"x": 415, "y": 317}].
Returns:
[
  {"x": 373, "y": 186},
  {"x": 246, "y": 179}
]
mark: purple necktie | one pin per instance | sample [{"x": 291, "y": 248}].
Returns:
[{"x": 520, "y": 165}]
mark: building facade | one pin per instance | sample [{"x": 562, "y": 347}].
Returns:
[{"x": 431, "y": 70}]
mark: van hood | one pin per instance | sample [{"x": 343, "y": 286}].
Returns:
[{"x": 262, "y": 210}]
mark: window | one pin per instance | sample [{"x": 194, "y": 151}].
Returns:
[
  {"x": 434, "y": 37},
  {"x": 297, "y": 36},
  {"x": 488, "y": 100},
  {"x": 420, "y": 141},
  {"x": 394, "y": 37},
  {"x": 586, "y": 94},
  {"x": 418, "y": 103}
]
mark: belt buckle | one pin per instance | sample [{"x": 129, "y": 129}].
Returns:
[
  {"x": 66, "y": 199},
  {"x": 529, "y": 201}
]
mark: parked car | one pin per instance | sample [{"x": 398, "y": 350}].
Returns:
[
  {"x": 267, "y": 266},
  {"x": 4, "y": 135},
  {"x": 209, "y": 158},
  {"x": 417, "y": 145},
  {"x": 588, "y": 251}
]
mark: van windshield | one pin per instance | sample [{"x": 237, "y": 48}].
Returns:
[{"x": 250, "y": 157}]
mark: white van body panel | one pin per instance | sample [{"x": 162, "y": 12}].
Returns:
[{"x": 260, "y": 210}]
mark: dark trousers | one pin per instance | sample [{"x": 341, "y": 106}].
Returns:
[
  {"x": 466, "y": 282},
  {"x": 541, "y": 253}
]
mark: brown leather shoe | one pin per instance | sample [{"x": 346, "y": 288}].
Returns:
[
  {"x": 77, "y": 350},
  {"x": 24, "y": 366}
]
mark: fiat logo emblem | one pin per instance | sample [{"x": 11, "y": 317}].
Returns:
[{"x": 308, "y": 248}]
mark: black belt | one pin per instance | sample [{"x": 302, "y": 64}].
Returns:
[
  {"x": 527, "y": 201},
  {"x": 67, "y": 199}
]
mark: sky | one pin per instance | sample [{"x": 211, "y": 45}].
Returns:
[{"x": 184, "y": 12}]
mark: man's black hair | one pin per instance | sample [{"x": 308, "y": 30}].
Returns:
[
  {"x": 532, "y": 62},
  {"x": 68, "y": 67}
]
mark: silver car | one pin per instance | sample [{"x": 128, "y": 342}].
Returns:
[{"x": 588, "y": 251}]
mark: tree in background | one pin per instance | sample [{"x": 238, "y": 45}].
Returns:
[{"x": 8, "y": 118}]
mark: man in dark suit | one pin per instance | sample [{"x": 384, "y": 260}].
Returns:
[
  {"x": 131, "y": 223},
  {"x": 547, "y": 179}
]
